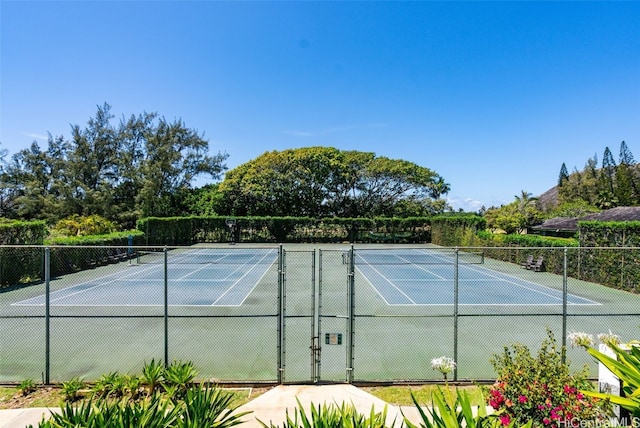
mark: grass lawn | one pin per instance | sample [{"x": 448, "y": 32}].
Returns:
[{"x": 400, "y": 395}]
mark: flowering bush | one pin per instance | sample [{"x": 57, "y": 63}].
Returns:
[
  {"x": 444, "y": 365},
  {"x": 540, "y": 389}
]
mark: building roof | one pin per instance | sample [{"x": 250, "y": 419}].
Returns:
[{"x": 571, "y": 223}]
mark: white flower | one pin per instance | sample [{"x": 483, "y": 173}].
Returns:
[
  {"x": 443, "y": 364},
  {"x": 609, "y": 338},
  {"x": 578, "y": 338}
]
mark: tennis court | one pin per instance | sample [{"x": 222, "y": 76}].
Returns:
[
  {"x": 223, "y": 277},
  {"x": 296, "y": 313},
  {"x": 198, "y": 277},
  {"x": 427, "y": 277}
]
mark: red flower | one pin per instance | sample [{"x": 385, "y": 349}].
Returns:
[{"x": 522, "y": 399}]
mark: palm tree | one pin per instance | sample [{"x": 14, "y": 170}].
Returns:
[{"x": 526, "y": 200}]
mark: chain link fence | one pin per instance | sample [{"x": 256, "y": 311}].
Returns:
[{"x": 296, "y": 313}]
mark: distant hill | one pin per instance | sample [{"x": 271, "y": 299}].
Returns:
[{"x": 549, "y": 199}]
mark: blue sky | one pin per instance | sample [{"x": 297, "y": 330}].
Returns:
[{"x": 492, "y": 96}]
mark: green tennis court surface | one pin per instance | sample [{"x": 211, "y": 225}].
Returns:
[
  {"x": 198, "y": 277},
  {"x": 428, "y": 277}
]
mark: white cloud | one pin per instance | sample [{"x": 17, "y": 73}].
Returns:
[
  {"x": 467, "y": 204},
  {"x": 36, "y": 136}
]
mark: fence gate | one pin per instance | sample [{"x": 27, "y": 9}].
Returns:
[
  {"x": 334, "y": 334},
  {"x": 297, "y": 310}
]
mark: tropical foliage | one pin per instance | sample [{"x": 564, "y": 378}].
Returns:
[
  {"x": 332, "y": 416},
  {"x": 516, "y": 216},
  {"x": 325, "y": 182},
  {"x": 624, "y": 364},
  {"x": 604, "y": 186},
  {"x": 540, "y": 389},
  {"x": 143, "y": 166}
]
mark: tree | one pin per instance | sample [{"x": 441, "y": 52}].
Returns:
[
  {"x": 608, "y": 171},
  {"x": 626, "y": 157},
  {"x": 577, "y": 208},
  {"x": 32, "y": 171},
  {"x": 626, "y": 188},
  {"x": 581, "y": 185},
  {"x": 564, "y": 175},
  {"x": 324, "y": 181},
  {"x": 144, "y": 166},
  {"x": 94, "y": 164},
  {"x": 515, "y": 217},
  {"x": 175, "y": 156}
]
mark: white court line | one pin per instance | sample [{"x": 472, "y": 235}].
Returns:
[
  {"x": 71, "y": 287},
  {"x": 512, "y": 280},
  {"x": 254, "y": 265},
  {"x": 115, "y": 277},
  {"x": 390, "y": 283},
  {"x": 491, "y": 274}
]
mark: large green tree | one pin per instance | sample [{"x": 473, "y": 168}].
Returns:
[
  {"x": 324, "y": 181},
  {"x": 143, "y": 166},
  {"x": 626, "y": 187}
]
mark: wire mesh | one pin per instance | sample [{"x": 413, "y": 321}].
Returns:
[{"x": 298, "y": 314}]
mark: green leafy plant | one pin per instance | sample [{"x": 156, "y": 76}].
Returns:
[
  {"x": 541, "y": 388},
  {"x": 180, "y": 375},
  {"x": 625, "y": 365},
  {"x": 71, "y": 389},
  {"x": 153, "y": 412},
  {"x": 108, "y": 384},
  {"x": 152, "y": 375},
  {"x": 26, "y": 387},
  {"x": 208, "y": 406},
  {"x": 133, "y": 384},
  {"x": 331, "y": 416}
]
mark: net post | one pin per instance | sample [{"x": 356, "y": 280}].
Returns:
[{"x": 231, "y": 224}]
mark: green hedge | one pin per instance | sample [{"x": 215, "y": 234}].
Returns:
[
  {"x": 69, "y": 254},
  {"x": 191, "y": 230},
  {"x": 516, "y": 248},
  {"x": 619, "y": 269},
  {"x": 21, "y": 265},
  {"x": 456, "y": 230},
  {"x": 605, "y": 252}
]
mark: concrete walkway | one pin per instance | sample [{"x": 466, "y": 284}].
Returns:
[{"x": 270, "y": 407}]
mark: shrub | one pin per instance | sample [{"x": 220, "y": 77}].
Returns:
[
  {"x": 625, "y": 365},
  {"x": 332, "y": 416},
  {"x": 83, "y": 226},
  {"x": 71, "y": 389},
  {"x": 541, "y": 389},
  {"x": 26, "y": 387}
]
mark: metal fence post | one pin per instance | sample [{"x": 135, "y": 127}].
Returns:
[
  {"x": 47, "y": 278},
  {"x": 315, "y": 324},
  {"x": 281, "y": 315},
  {"x": 455, "y": 314},
  {"x": 166, "y": 307},
  {"x": 565, "y": 293},
  {"x": 350, "y": 315}
]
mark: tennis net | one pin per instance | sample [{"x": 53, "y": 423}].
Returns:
[
  {"x": 417, "y": 257},
  {"x": 208, "y": 256}
]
